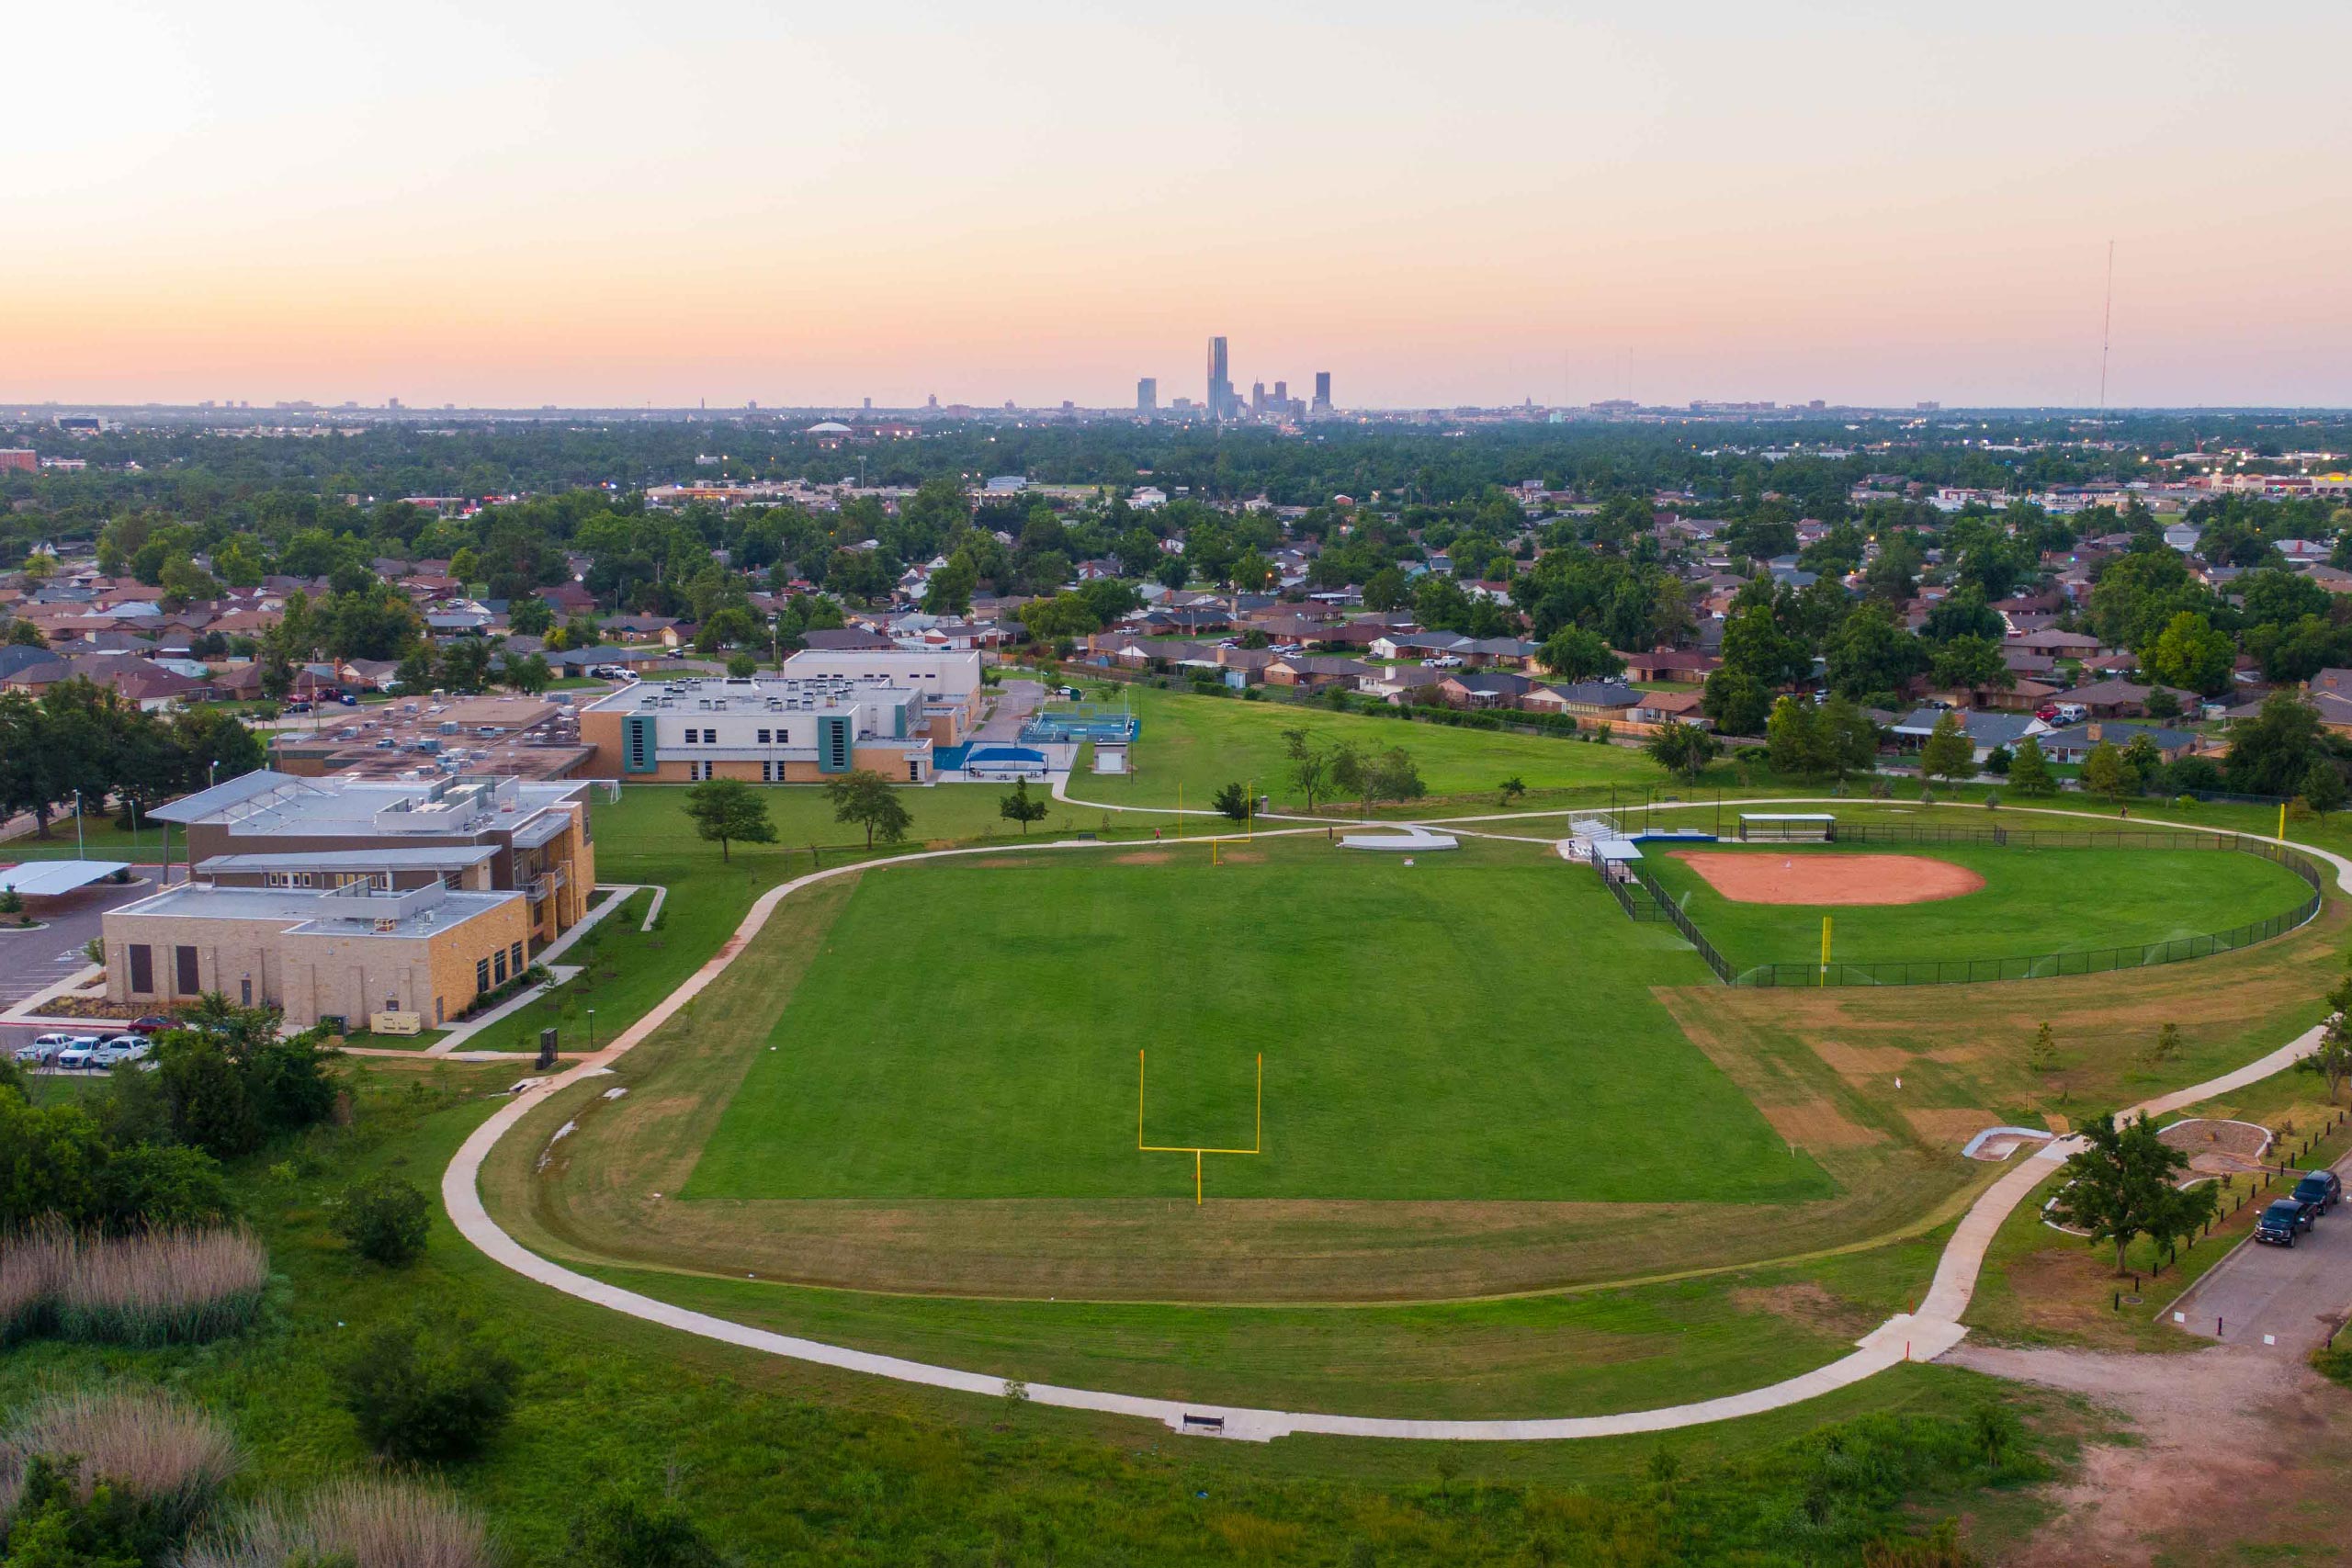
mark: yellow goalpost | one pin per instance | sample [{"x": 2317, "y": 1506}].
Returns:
[{"x": 1197, "y": 1150}]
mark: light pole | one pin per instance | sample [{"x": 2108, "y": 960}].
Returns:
[
  {"x": 77, "y": 825},
  {"x": 591, "y": 1031}
]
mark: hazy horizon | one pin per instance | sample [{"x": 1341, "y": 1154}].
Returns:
[{"x": 597, "y": 205}]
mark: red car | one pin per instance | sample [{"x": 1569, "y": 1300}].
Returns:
[{"x": 153, "y": 1023}]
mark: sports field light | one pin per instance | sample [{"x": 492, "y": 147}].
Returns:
[{"x": 1197, "y": 1150}]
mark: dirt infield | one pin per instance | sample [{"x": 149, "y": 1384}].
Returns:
[{"x": 1751, "y": 877}]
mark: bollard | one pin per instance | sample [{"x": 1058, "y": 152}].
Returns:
[
  {"x": 2217, "y": 1327},
  {"x": 2118, "y": 1301}
]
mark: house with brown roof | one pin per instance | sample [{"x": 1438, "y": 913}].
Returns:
[
  {"x": 1668, "y": 664},
  {"x": 1313, "y": 672},
  {"x": 2123, "y": 699}
]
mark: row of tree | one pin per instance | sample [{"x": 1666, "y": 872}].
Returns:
[{"x": 81, "y": 738}]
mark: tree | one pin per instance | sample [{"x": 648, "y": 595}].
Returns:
[
  {"x": 1233, "y": 802},
  {"x": 1310, "y": 766},
  {"x": 727, "y": 810},
  {"x": 948, "y": 591},
  {"x": 1970, "y": 663},
  {"x": 529, "y": 675},
  {"x": 1384, "y": 590},
  {"x": 384, "y": 1219},
  {"x": 2273, "y": 752},
  {"x": 1949, "y": 753},
  {"x": 2106, "y": 773},
  {"x": 530, "y": 616},
  {"x": 1022, "y": 807},
  {"x": 1793, "y": 741},
  {"x": 2121, "y": 1187},
  {"x": 2191, "y": 653},
  {"x": 1511, "y": 789},
  {"x": 2030, "y": 770},
  {"x": 2332, "y": 1058},
  {"x": 1738, "y": 703},
  {"x": 204, "y": 1095},
  {"x": 2323, "y": 788},
  {"x": 866, "y": 797},
  {"x": 426, "y": 1391},
  {"x": 2043, "y": 1054},
  {"x": 1573, "y": 653},
  {"x": 1393, "y": 775},
  {"x": 1680, "y": 748},
  {"x": 1849, "y": 739}
]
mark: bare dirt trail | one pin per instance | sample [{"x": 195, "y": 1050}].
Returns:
[{"x": 2239, "y": 1457}]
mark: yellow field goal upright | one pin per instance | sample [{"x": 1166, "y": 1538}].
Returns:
[{"x": 1196, "y": 1150}]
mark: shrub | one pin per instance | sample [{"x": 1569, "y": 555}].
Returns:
[
  {"x": 385, "y": 1219},
  {"x": 630, "y": 1528},
  {"x": 428, "y": 1390},
  {"x": 166, "y": 1287},
  {"x": 149, "y": 1463},
  {"x": 368, "y": 1524}
]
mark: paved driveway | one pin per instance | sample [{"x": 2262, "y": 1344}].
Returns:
[
  {"x": 2295, "y": 1294},
  {"x": 1016, "y": 701}
]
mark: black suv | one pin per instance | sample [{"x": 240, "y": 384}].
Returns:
[
  {"x": 2321, "y": 1188},
  {"x": 2283, "y": 1221}
]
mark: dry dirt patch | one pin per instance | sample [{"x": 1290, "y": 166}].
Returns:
[
  {"x": 1815, "y": 1124},
  {"x": 1751, "y": 878},
  {"x": 1144, "y": 857}
]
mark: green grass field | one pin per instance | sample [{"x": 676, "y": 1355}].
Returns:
[
  {"x": 1417, "y": 1043},
  {"x": 1203, "y": 743},
  {"x": 2033, "y": 901}
]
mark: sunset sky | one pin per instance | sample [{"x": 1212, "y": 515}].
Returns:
[{"x": 525, "y": 202}]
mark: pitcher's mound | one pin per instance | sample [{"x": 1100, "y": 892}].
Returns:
[{"x": 1766, "y": 878}]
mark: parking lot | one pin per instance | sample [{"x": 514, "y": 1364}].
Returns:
[
  {"x": 34, "y": 960},
  {"x": 2283, "y": 1297}
]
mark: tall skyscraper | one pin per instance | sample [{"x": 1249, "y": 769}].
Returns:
[
  {"x": 1257, "y": 397},
  {"x": 1148, "y": 395},
  {"x": 1322, "y": 392},
  {"x": 1220, "y": 381}
]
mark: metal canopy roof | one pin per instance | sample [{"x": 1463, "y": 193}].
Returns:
[{"x": 46, "y": 878}]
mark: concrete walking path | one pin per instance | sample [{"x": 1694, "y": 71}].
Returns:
[{"x": 1934, "y": 1329}]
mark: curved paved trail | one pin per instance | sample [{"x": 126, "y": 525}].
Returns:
[{"x": 1934, "y": 1329}]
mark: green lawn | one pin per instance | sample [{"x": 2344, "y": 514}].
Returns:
[
  {"x": 1417, "y": 1045},
  {"x": 1203, "y": 743},
  {"x": 2034, "y": 901}
]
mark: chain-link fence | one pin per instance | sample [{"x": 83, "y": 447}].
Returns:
[{"x": 2090, "y": 961}]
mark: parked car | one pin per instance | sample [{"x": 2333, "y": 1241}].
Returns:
[
  {"x": 298, "y": 707},
  {"x": 153, "y": 1023},
  {"x": 348, "y": 700},
  {"x": 78, "y": 1054},
  {"x": 2072, "y": 713},
  {"x": 122, "y": 1048},
  {"x": 2321, "y": 1188},
  {"x": 2286, "y": 1219},
  {"x": 42, "y": 1051}
]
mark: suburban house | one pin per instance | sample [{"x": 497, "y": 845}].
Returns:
[
  {"x": 1484, "y": 688},
  {"x": 2124, "y": 699},
  {"x": 1657, "y": 709},
  {"x": 1399, "y": 682},
  {"x": 1313, "y": 672},
  {"x": 2077, "y": 741},
  {"x": 1589, "y": 702},
  {"x": 1986, "y": 731},
  {"x": 1668, "y": 664}
]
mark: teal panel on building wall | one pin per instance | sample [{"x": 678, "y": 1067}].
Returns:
[{"x": 639, "y": 754}]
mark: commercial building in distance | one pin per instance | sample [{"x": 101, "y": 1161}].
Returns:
[
  {"x": 270, "y": 831},
  {"x": 411, "y": 959},
  {"x": 798, "y": 727},
  {"x": 949, "y": 677}
]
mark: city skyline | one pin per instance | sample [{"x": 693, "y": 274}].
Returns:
[{"x": 267, "y": 202}]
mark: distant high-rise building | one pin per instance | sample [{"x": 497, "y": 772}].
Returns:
[
  {"x": 1221, "y": 399},
  {"x": 1322, "y": 392},
  {"x": 1148, "y": 395},
  {"x": 1257, "y": 397},
  {"x": 1281, "y": 392}
]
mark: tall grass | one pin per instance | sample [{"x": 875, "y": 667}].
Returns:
[
  {"x": 154, "y": 1288},
  {"x": 141, "y": 1442},
  {"x": 373, "y": 1524}
]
